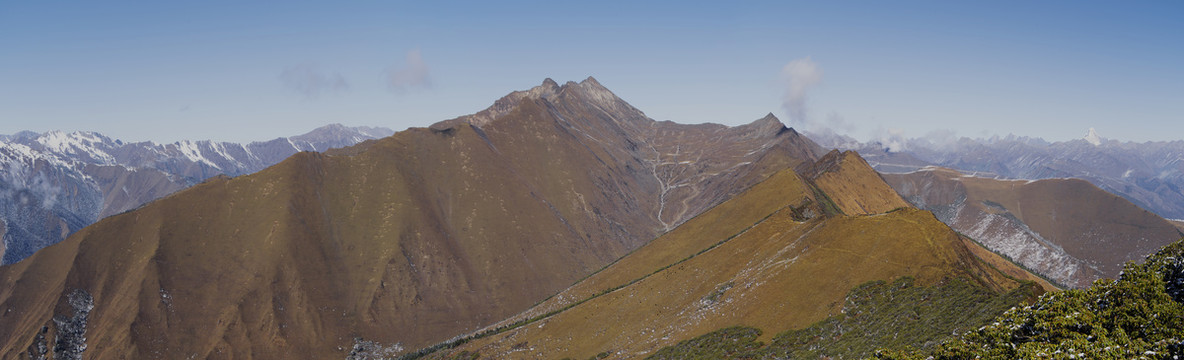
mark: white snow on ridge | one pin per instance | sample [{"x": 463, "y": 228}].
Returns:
[
  {"x": 1093, "y": 138},
  {"x": 193, "y": 153},
  {"x": 76, "y": 143},
  {"x": 220, "y": 149},
  {"x": 24, "y": 154}
]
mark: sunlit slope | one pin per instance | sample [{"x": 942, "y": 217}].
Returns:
[
  {"x": 401, "y": 242},
  {"x": 784, "y": 190},
  {"x": 852, "y": 185},
  {"x": 789, "y": 269}
]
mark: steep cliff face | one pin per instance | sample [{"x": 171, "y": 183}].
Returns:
[
  {"x": 393, "y": 244},
  {"x": 1066, "y": 229}
]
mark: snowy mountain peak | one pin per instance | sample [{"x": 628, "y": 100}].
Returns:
[{"x": 1093, "y": 138}]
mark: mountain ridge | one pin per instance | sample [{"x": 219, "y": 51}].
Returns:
[
  {"x": 1149, "y": 174},
  {"x": 401, "y": 242},
  {"x": 1066, "y": 229},
  {"x": 745, "y": 262},
  {"x": 80, "y": 177}
]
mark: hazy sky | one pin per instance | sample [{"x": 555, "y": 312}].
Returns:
[{"x": 237, "y": 70}]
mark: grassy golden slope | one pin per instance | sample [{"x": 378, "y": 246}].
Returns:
[
  {"x": 783, "y": 190},
  {"x": 784, "y": 272},
  {"x": 405, "y": 241},
  {"x": 853, "y": 185}
]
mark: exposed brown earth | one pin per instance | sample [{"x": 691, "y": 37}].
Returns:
[
  {"x": 404, "y": 241},
  {"x": 1065, "y": 229}
]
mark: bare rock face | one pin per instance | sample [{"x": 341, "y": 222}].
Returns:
[
  {"x": 1065, "y": 229},
  {"x": 53, "y": 184},
  {"x": 70, "y": 340},
  {"x": 404, "y": 242}
]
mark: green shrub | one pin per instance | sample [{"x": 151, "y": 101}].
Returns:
[{"x": 1139, "y": 315}]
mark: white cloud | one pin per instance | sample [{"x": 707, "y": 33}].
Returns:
[
  {"x": 892, "y": 140},
  {"x": 799, "y": 77},
  {"x": 414, "y": 75},
  {"x": 310, "y": 81}
]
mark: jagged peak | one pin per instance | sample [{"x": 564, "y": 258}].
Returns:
[
  {"x": 589, "y": 89},
  {"x": 834, "y": 160},
  {"x": 770, "y": 120},
  {"x": 591, "y": 81},
  {"x": 546, "y": 90},
  {"x": 1093, "y": 138}
]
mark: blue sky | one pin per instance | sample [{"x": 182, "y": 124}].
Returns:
[{"x": 243, "y": 71}]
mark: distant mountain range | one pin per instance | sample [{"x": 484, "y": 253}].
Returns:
[
  {"x": 53, "y": 184},
  {"x": 1149, "y": 174}
]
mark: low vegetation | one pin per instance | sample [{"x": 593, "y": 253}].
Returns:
[
  {"x": 876, "y": 314},
  {"x": 1140, "y": 315}
]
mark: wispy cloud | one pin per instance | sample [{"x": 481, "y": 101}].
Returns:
[
  {"x": 799, "y": 77},
  {"x": 413, "y": 75},
  {"x": 310, "y": 82},
  {"x": 892, "y": 140}
]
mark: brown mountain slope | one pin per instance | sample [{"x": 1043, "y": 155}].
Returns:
[
  {"x": 404, "y": 242},
  {"x": 852, "y": 185},
  {"x": 1065, "y": 229},
  {"x": 788, "y": 269}
]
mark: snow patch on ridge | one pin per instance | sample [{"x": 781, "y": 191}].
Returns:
[{"x": 192, "y": 152}]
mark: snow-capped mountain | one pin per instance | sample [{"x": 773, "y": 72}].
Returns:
[
  {"x": 1093, "y": 138},
  {"x": 55, "y": 183},
  {"x": 1149, "y": 174}
]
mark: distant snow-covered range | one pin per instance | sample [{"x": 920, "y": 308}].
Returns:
[
  {"x": 1149, "y": 174},
  {"x": 53, "y": 184}
]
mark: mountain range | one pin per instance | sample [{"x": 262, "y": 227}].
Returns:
[
  {"x": 1045, "y": 205},
  {"x": 559, "y": 222},
  {"x": 53, "y": 184},
  {"x": 1149, "y": 174},
  {"x": 404, "y": 242}
]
